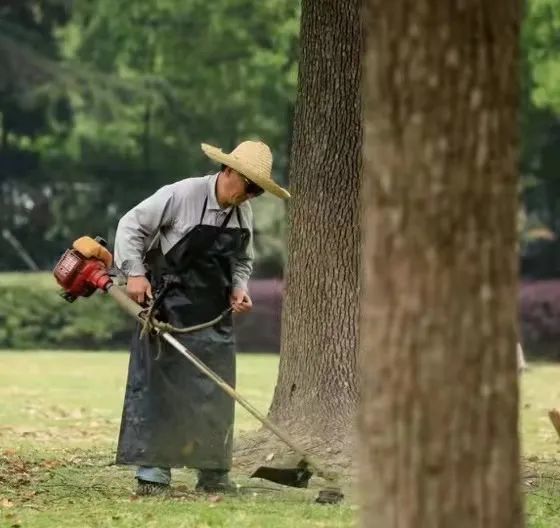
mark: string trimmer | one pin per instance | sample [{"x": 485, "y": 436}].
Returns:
[{"x": 83, "y": 270}]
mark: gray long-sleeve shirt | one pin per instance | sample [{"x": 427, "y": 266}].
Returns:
[{"x": 171, "y": 213}]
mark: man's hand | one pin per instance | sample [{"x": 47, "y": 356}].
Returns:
[
  {"x": 240, "y": 301},
  {"x": 139, "y": 289}
]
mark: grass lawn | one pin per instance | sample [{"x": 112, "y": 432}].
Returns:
[
  {"x": 38, "y": 280},
  {"x": 59, "y": 419}
]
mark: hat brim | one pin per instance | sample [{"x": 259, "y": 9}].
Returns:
[{"x": 265, "y": 183}]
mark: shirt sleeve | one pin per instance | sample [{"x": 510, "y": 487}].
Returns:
[
  {"x": 243, "y": 265},
  {"x": 139, "y": 226}
]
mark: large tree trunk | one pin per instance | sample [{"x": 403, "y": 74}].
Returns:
[
  {"x": 316, "y": 393},
  {"x": 316, "y": 389},
  {"x": 438, "y": 420}
]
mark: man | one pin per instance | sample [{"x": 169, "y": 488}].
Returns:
[{"x": 188, "y": 247}]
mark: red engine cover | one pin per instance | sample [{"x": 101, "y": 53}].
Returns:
[
  {"x": 68, "y": 267},
  {"x": 80, "y": 277}
]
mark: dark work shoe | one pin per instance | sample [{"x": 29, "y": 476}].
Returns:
[
  {"x": 151, "y": 489},
  {"x": 214, "y": 481}
]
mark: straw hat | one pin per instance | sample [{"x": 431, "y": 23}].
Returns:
[{"x": 253, "y": 160}]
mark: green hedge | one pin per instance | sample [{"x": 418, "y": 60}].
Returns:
[{"x": 33, "y": 315}]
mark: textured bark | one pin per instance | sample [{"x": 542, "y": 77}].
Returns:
[
  {"x": 316, "y": 389},
  {"x": 438, "y": 418}
]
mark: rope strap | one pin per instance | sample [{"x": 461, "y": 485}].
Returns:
[{"x": 151, "y": 324}]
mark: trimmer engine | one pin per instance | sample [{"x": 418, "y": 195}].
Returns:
[{"x": 81, "y": 275}]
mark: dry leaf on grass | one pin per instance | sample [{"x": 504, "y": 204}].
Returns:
[
  {"x": 28, "y": 495},
  {"x": 51, "y": 464}
]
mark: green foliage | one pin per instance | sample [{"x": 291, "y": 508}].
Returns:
[
  {"x": 229, "y": 68},
  {"x": 27, "y": 124},
  {"x": 542, "y": 41},
  {"x": 228, "y": 72},
  {"x": 145, "y": 86},
  {"x": 540, "y": 130},
  {"x": 101, "y": 105},
  {"x": 269, "y": 236},
  {"x": 32, "y": 316}
]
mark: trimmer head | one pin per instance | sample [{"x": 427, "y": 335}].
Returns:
[{"x": 296, "y": 477}]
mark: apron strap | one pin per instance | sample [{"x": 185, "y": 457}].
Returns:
[
  {"x": 228, "y": 217},
  {"x": 203, "y": 210}
]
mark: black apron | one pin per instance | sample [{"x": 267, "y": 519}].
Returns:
[{"x": 174, "y": 416}]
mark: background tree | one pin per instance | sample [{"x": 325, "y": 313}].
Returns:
[
  {"x": 439, "y": 415},
  {"x": 540, "y": 127},
  {"x": 146, "y": 85},
  {"x": 104, "y": 104},
  {"x": 29, "y": 123},
  {"x": 316, "y": 394}
]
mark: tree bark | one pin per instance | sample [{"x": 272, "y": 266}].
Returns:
[
  {"x": 316, "y": 389},
  {"x": 438, "y": 418},
  {"x": 316, "y": 392}
]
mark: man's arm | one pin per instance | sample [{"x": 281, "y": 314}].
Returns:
[
  {"x": 243, "y": 265},
  {"x": 140, "y": 225}
]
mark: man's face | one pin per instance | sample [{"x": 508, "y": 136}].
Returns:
[{"x": 238, "y": 188}]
